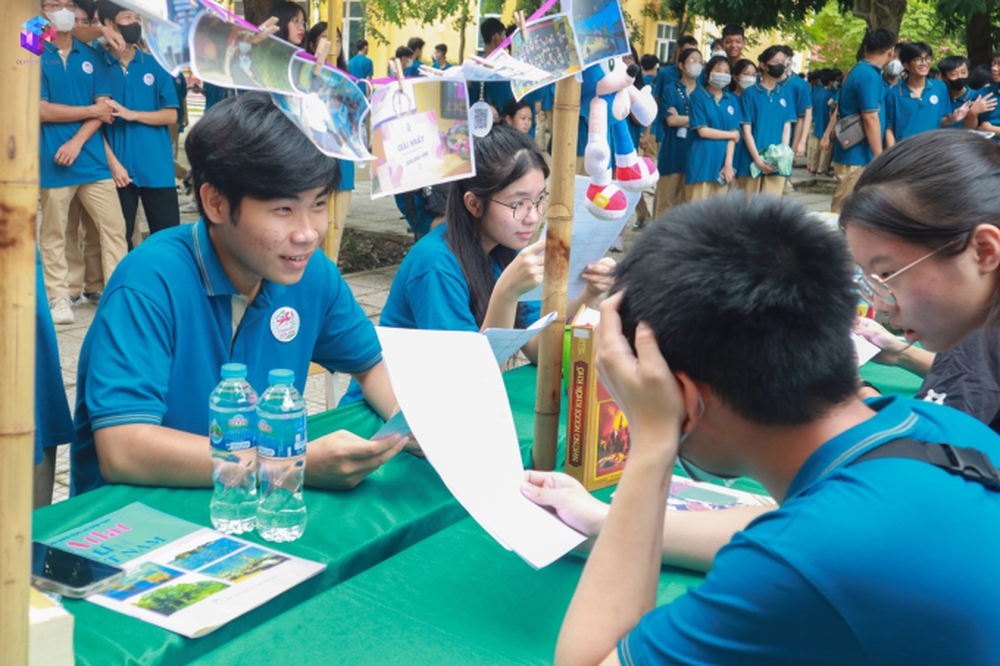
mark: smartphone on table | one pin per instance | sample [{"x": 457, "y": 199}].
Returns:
[{"x": 69, "y": 574}]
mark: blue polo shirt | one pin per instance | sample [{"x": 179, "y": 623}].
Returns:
[
  {"x": 907, "y": 116},
  {"x": 798, "y": 93},
  {"x": 863, "y": 92},
  {"x": 891, "y": 561},
  {"x": 346, "y": 175},
  {"x": 991, "y": 117},
  {"x": 673, "y": 154},
  {"x": 707, "y": 156},
  {"x": 53, "y": 423},
  {"x": 766, "y": 112},
  {"x": 165, "y": 326},
  {"x": 361, "y": 67},
  {"x": 968, "y": 95},
  {"x": 821, "y": 97},
  {"x": 144, "y": 150},
  {"x": 665, "y": 78},
  {"x": 79, "y": 82}
]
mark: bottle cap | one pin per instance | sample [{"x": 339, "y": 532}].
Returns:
[
  {"x": 234, "y": 371},
  {"x": 281, "y": 376}
]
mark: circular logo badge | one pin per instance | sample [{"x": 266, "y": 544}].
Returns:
[
  {"x": 934, "y": 99},
  {"x": 148, "y": 79},
  {"x": 783, "y": 103},
  {"x": 87, "y": 67},
  {"x": 731, "y": 112},
  {"x": 285, "y": 324}
]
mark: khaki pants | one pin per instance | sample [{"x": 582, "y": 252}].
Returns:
[
  {"x": 83, "y": 252},
  {"x": 701, "y": 191},
  {"x": 847, "y": 175},
  {"x": 819, "y": 160},
  {"x": 100, "y": 200},
  {"x": 335, "y": 234},
  {"x": 669, "y": 193},
  {"x": 764, "y": 185}
]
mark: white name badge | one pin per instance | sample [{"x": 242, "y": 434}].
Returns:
[
  {"x": 682, "y": 132},
  {"x": 285, "y": 324}
]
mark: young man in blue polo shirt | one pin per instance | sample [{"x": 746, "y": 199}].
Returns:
[
  {"x": 360, "y": 66},
  {"x": 955, "y": 75},
  {"x": 887, "y": 561},
  {"x": 246, "y": 283},
  {"x": 144, "y": 102},
  {"x": 918, "y": 103},
  {"x": 990, "y": 120},
  {"x": 863, "y": 93},
  {"x": 72, "y": 160}
]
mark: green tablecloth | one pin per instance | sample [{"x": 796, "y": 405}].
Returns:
[
  {"x": 392, "y": 509},
  {"x": 891, "y": 381}
]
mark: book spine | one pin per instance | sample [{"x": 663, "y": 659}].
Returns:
[{"x": 579, "y": 398}]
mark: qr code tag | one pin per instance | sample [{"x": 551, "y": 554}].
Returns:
[{"x": 480, "y": 118}]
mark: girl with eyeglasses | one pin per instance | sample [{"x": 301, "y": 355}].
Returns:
[
  {"x": 468, "y": 273},
  {"x": 918, "y": 103},
  {"x": 923, "y": 226}
]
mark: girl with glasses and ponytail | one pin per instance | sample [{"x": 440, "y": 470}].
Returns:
[{"x": 924, "y": 227}]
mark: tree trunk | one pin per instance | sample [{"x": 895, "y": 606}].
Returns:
[
  {"x": 977, "y": 37},
  {"x": 256, "y": 11},
  {"x": 463, "y": 25},
  {"x": 877, "y": 14}
]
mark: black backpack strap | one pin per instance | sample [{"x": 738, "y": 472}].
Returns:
[{"x": 970, "y": 464}]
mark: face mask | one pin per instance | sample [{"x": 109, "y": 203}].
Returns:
[
  {"x": 719, "y": 80},
  {"x": 776, "y": 71},
  {"x": 746, "y": 81},
  {"x": 958, "y": 84},
  {"x": 131, "y": 32},
  {"x": 894, "y": 68},
  {"x": 64, "y": 20},
  {"x": 719, "y": 54},
  {"x": 693, "y": 471},
  {"x": 694, "y": 71}
]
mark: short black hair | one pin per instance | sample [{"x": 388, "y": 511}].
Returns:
[
  {"x": 753, "y": 297},
  {"x": 88, "y": 7},
  {"x": 733, "y": 29},
  {"x": 913, "y": 50},
  {"x": 685, "y": 41},
  {"x": 246, "y": 147},
  {"x": 443, "y": 48},
  {"x": 360, "y": 44},
  {"x": 415, "y": 43},
  {"x": 490, "y": 27},
  {"x": 951, "y": 63},
  {"x": 512, "y": 106},
  {"x": 787, "y": 50},
  {"x": 107, "y": 10},
  {"x": 649, "y": 61},
  {"x": 770, "y": 52},
  {"x": 404, "y": 52},
  {"x": 980, "y": 77},
  {"x": 878, "y": 40}
]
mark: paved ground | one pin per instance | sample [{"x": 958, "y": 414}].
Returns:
[{"x": 370, "y": 288}]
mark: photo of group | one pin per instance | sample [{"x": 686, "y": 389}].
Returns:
[
  {"x": 206, "y": 553},
  {"x": 244, "y": 564},
  {"x": 168, "y": 43},
  {"x": 143, "y": 578},
  {"x": 600, "y": 30},
  {"x": 331, "y": 110},
  {"x": 227, "y": 55},
  {"x": 548, "y": 44}
]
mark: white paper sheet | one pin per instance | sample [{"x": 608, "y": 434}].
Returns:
[
  {"x": 592, "y": 238},
  {"x": 864, "y": 349},
  {"x": 506, "y": 341},
  {"x": 449, "y": 385}
]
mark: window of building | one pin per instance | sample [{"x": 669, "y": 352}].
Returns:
[{"x": 666, "y": 41}]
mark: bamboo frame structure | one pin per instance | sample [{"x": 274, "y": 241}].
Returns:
[
  {"x": 19, "y": 125},
  {"x": 566, "y": 114},
  {"x": 335, "y": 231}
]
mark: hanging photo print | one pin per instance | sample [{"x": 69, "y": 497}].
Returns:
[
  {"x": 549, "y": 45},
  {"x": 168, "y": 42},
  {"x": 420, "y": 135},
  {"x": 231, "y": 56},
  {"x": 330, "y": 110},
  {"x": 600, "y": 30}
]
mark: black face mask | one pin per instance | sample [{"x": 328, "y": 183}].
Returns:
[
  {"x": 776, "y": 71},
  {"x": 131, "y": 32},
  {"x": 958, "y": 84}
]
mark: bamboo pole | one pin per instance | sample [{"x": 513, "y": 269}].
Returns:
[
  {"x": 19, "y": 85},
  {"x": 566, "y": 114},
  {"x": 335, "y": 231}
]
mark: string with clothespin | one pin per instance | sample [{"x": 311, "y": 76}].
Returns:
[{"x": 401, "y": 103}]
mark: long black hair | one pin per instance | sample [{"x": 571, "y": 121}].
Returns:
[
  {"x": 312, "y": 43},
  {"x": 502, "y": 157},
  {"x": 285, "y": 12}
]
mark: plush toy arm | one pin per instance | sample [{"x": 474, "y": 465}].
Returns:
[
  {"x": 621, "y": 105},
  {"x": 597, "y": 156},
  {"x": 643, "y": 105}
]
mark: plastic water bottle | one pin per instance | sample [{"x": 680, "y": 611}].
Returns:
[
  {"x": 281, "y": 445},
  {"x": 232, "y": 425}
]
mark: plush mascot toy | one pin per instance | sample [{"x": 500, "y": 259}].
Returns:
[{"x": 608, "y": 87}]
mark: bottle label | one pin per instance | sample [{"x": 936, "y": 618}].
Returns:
[
  {"x": 281, "y": 438},
  {"x": 230, "y": 432}
]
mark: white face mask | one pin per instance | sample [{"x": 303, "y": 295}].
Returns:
[
  {"x": 64, "y": 19},
  {"x": 746, "y": 81},
  {"x": 694, "y": 70},
  {"x": 719, "y": 80},
  {"x": 894, "y": 68},
  {"x": 719, "y": 54}
]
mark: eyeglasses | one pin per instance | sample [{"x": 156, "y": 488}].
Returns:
[
  {"x": 872, "y": 286},
  {"x": 522, "y": 207},
  {"x": 925, "y": 60}
]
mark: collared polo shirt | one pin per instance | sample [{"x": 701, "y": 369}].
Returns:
[
  {"x": 906, "y": 115},
  {"x": 707, "y": 156},
  {"x": 890, "y": 561},
  {"x": 766, "y": 112},
  {"x": 53, "y": 424},
  {"x": 821, "y": 97},
  {"x": 968, "y": 95},
  {"x": 863, "y": 92},
  {"x": 361, "y": 67},
  {"x": 80, "y": 81},
  {"x": 676, "y": 141},
  {"x": 144, "y": 150},
  {"x": 991, "y": 117},
  {"x": 170, "y": 317},
  {"x": 799, "y": 95}
]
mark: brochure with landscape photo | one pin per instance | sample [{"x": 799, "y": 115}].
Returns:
[{"x": 181, "y": 576}]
